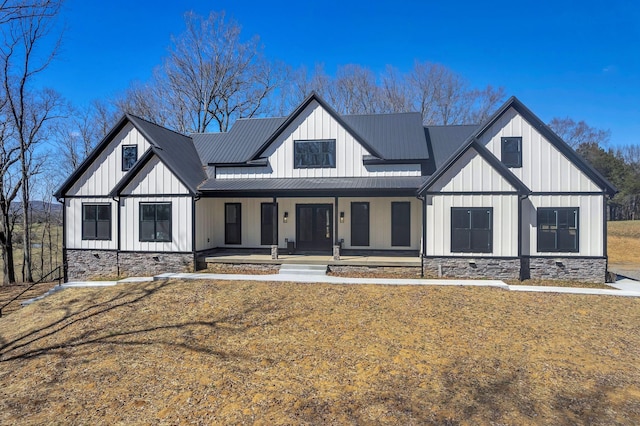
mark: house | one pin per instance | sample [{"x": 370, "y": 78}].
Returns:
[{"x": 504, "y": 199}]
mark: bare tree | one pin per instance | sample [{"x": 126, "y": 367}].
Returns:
[
  {"x": 28, "y": 111},
  {"x": 354, "y": 90},
  {"x": 10, "y": 185},
  {"x": 579, "y": 133},
  {"x": 210, "y": 78},
  {"x": 395, "y": 93},
  {"x": 79, "y": 132}
]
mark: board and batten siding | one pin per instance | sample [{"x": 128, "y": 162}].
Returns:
[
  {"x": 73, "y": 224},
  {"x": 590, "y": 223},
  {"x": 544, "y": 167},
  {"x": 210, "y": 221},
  {"x": 505, "y": 223},
  {"x": 181, "y": 218},
  {"x": 471, "y": 173},
  {"x": 106, "y": 170},
  {"x": 316, "y": 123},
  {"x": 155, "y": 178}
]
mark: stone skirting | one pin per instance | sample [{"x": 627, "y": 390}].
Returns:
[
  {"x": 592, "y": 270},
  {"x": 91, "y": 264},
  {"x": 478, "y": 268},
  {"x": 105, "y": 264}
]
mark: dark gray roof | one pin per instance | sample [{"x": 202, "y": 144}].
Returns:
[
  {"x": 395, "y": 136},
  {"x": 176, "y": 151},
  {"x": 239, "y": 144},
  {"x": 445, "y": 140},
  {"x": 308, "y": 186}
]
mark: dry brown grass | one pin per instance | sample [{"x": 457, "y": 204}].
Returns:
[
  {"x": 623, "y": 241},
  {"x": 230, "y": 353}
]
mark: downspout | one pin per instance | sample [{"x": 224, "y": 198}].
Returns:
[
  {"x": 424, "y": 233},
  {"x": 64, "y": 238},
  {"x": 193, "y": 231},
  {"x": 118, "y": 227}
]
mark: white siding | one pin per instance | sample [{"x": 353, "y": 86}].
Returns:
[
  {"x": 316, "y": 123},
  {"x": 106, "y": 170},
  {"x": 380, "y": 223},
  {"x": 505, "y": 223},
  {"x": 544, "y": 168},
  {"x": 590, "y": 227},
  {"x": 181, "y": 208},
  {"x": 471, "y": 173},
  {"x": 210, "y": 220},
  {"x": 155, "y": 178},
  {"x": 73, "y": 223}
]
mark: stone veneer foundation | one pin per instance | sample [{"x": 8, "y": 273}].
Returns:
[
  {"x": 592, "y": 270},
  {"x": 106, "y": 264},
  {"x": 464, "y": 267}
]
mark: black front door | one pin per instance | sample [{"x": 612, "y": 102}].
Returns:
[{"x": 314, "y": 226}]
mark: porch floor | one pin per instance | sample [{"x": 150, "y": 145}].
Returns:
[{"x": 312, "y": 259}]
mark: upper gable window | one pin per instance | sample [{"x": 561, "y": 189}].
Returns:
[
  {"x": 314, "y": 154},
  {"x": 129, "y": 156},
  {"x": 512, "y": 151}
]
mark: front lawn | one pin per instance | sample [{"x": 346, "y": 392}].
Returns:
[{"x": 282, "y": 353}]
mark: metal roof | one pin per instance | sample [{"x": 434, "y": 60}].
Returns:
[
  {"x": 397, "y": 136},
  {"x": 445, "y": 140},
  {"x": 239, "y": 144},
  {"x": 311, "y": 186},
  {"x": 175, "y": 150}
]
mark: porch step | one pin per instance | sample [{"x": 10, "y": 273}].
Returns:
[{"x": 293, "y": 269}]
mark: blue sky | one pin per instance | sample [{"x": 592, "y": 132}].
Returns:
[{"x": 563, "y": 58}]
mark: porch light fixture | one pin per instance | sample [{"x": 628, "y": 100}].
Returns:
[
  {"x": 341, "y": 217},
  {"x": 285, "y": 218}
]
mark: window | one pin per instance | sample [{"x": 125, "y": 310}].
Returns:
[
  {"x": 129, "y": 156},
  {"x": 155, "y": 222},
  {"x": 471, "y": 230},
  {"x": 96, "y": 221},
  {"x": 512, "y": 151},
  {"x": 401, "y": 224},
  {"x": 558, "y": 229},
  {"x": 269, "y": 224},
  {"x": 232, "y": 223},
  {"x": 360, "y": 224},
  {"x": 314, "y": 154}
]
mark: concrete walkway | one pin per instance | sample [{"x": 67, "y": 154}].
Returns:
[{"x": 623, "y": 287}]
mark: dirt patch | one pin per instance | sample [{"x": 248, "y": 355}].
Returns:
[{"x": 283, "y": 353}]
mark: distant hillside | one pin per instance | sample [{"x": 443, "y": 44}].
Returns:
[{"x": 39, "y": 208}]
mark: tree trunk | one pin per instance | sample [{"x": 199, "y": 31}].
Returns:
[
  {"x": 8, "y": 269},
  {"x": 26, "y": 232}
]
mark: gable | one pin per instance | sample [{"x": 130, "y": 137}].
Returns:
[
  {"x": 103, "y": 169},
  {"x": 315, "y": 122},
  {"x": 471, "y": 172},
  {"x": 154, "y": 178},
  {"x": 546, "y": 163}
]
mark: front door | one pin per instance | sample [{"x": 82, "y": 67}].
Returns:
[{"x": 314, "y": 226}]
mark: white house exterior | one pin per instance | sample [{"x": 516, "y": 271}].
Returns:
[{"x": 505, "y": 199}]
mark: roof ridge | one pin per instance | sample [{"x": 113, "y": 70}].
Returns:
[
  {"x": 158, "y": 125},
  {"x": 379, "y": 113}
]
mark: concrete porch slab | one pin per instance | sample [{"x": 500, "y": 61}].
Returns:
[{"x": 310, "y": 259}]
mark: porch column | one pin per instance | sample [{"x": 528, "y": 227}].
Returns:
[
  {"x": 274, "y": 237},
  {"x": 336, "y": 246}
]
